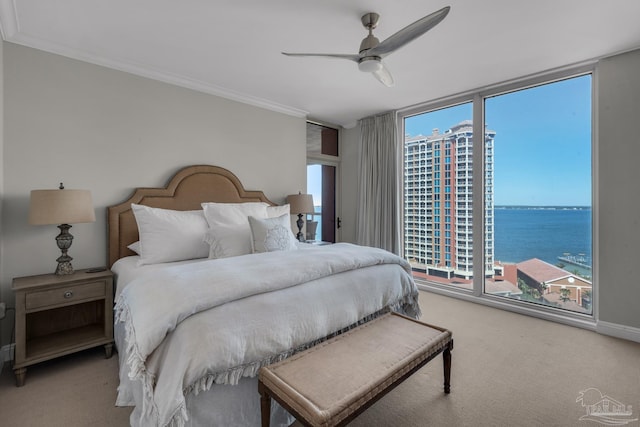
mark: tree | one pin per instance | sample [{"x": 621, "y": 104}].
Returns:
[
  {"x": 564, "y": 294},
  {"x": 522, "y": 285}
]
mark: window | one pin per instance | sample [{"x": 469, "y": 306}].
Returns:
[
  {"x": 431, "y": 260},
  {"x": 542, "y": 189},
  {"x": 521, "y": 231}
]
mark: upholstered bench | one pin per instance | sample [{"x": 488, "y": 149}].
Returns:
[{"x": 332, "y": 383}]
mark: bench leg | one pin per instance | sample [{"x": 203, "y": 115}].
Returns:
[
  {"x": 265, "y": 405},
  {"x": 446, "y": 356}
]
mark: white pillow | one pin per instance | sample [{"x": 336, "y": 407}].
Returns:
[
  {"x": 272, "y": 234},
  {"x": 276, "y": 211},
  {"x": 229, "y": 233},
  {"x": 167, "y": 235}
]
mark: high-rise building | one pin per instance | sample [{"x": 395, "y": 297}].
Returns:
[{"x": 438, "y": 202}]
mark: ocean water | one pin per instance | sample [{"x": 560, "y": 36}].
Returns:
[{"x": 525, "y": 232}]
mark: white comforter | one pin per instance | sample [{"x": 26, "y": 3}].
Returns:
[{"x": 190, "y": 326}]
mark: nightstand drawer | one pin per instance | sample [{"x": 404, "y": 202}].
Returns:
[{"x": 47, "y": 298}]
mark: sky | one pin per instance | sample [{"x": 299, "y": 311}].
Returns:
[
  {"x": 314, "y": 183},
  {"x": 542, "y": 146}
]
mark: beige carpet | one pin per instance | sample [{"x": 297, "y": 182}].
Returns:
[{"x": 508, "y": 370}]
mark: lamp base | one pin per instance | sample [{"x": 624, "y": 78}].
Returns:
[
  {"x": 64, "y": 240},
  {"x": 300, "y": 223},
  {"x": 64, "y": 268}
]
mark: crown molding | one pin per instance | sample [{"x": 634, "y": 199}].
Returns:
[{"x": 10, "y": 31}]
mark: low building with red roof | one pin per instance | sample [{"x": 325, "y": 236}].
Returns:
[{"x": 551, "y": 281}]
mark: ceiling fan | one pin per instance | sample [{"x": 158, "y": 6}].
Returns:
[{"x": 372, "y": 51}]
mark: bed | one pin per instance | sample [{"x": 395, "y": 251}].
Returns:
[{"x": 198, "y": 313}]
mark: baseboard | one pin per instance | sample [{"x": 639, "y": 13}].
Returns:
[{"x": 618, "y": 331}]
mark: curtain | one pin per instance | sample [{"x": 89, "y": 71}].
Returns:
[{"x": 378, "y": 211}]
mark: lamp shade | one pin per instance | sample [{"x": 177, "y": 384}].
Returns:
[
  {"x": 300, "y": 203},
  {"x": 61, "y": 207}
]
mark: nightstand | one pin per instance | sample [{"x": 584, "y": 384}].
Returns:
[
  {"x": 58, "y": 315},
  {"x": 317, "y": 243}
]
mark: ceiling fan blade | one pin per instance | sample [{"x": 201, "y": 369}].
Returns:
[
  {"x": 409, "y": 33},
  {"x": 354, "y": 58},
  {"x": 383, "y": 75}
]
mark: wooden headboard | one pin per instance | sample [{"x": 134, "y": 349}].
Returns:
[{"x": 187, "y": 189}]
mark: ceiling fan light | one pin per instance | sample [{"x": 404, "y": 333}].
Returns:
[{"x": 370, "y": 65}]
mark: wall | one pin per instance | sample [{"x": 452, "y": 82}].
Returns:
[
  {"x": 108, "y": 131},
  {"x": 618, "y": 110}
]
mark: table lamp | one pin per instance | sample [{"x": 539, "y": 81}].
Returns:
[
  {"x": 300, "y": 204},
  {"x": 61, "y": 207}
]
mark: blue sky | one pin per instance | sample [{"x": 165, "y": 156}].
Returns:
[
  {"x": 542, "y": 147},
  {"x": 314, "y": 183}
]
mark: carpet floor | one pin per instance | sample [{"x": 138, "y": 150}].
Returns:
[{"x": 507, "y": 370}]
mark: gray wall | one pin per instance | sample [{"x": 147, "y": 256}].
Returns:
[
  {"x": 108, "y": 131},
  {"x": 619, "y": 176}
]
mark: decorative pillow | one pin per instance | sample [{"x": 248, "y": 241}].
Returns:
[
  {"x": 272, "y": 234},
  {"x": 229, "y": 233},
  {"x": 167, "y": 235}
]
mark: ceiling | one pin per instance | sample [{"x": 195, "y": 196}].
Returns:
[{"x": 232, "y": 48}]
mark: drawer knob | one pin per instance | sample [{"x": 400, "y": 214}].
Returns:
[{"x": 68, "y": 294}]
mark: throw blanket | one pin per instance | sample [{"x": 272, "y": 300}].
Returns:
[{"x": 154, "y": 306}]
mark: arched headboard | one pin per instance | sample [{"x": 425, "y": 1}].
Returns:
[{"x": 187, "y": 189}]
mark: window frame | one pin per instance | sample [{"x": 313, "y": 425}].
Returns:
[{"x": 477, "y": 98}]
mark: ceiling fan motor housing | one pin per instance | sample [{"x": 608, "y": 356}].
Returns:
[
  {"x": 369, "y": 64},
  {"x": 368, "y": 42}
]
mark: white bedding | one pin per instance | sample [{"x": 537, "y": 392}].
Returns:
[
  {"x": 190, "y": 325},
  {"x": 129, "y": 268}
]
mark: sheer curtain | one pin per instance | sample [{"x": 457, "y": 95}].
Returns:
[{"x": 378, "y": 212}]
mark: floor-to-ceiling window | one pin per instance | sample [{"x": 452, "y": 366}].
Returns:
[
  {"x": 438, "y": 187},
  {"x": 507, "y": 214},
  {"x": 542, "y": 187}
]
